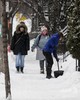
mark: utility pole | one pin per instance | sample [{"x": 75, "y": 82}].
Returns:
[{"x": 5, "y": 54}]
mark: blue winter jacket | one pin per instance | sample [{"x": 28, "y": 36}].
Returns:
[{"x": 52, "y": 43}]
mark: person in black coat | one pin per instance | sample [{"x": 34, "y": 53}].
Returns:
[{"x": 20, "y": 45}]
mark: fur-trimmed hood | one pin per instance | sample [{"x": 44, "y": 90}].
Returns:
[{"x": 21, "y": 25}]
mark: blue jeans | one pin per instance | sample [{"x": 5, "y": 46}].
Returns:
[{"x": 20, "y": 60}]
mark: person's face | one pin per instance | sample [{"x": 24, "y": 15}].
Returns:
[
  {"x": 21, "y": 29},
  {"x": 44, "y": 32}
]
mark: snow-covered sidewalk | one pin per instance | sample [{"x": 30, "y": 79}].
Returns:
[{"x": 34, "y": 86}]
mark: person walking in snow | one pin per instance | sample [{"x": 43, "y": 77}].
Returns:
[
  {"x": 20, "y": 45},
  {"x": 39, "y": 43},
  {"x": 49, "y": 49}
]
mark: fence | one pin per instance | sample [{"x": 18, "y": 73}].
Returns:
[{"x": 62, "y": 48}]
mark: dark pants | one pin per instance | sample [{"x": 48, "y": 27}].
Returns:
[
  {"x": 41, "y": 62},
  {"x": 49, "y": 61}
]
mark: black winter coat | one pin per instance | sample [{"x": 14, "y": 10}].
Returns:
[{"x": 23, "y": 43}]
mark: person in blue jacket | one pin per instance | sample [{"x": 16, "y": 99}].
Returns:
[{"x": 49, "y": 49}]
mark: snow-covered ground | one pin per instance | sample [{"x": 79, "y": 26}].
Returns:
[{"x": 34, "y": 86}]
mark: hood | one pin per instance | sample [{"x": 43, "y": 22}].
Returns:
[{"x": 23, "y": 25}]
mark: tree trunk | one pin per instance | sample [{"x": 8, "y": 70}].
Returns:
[
  {"x": 4, "y": 37},
  {"x": 79, "y": 63},
  {"x": 9, "y": 30}
]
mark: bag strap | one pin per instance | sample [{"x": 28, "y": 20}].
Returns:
[
  {"x": 40, "y": 37},
  {"x": 18, "y": 39}
]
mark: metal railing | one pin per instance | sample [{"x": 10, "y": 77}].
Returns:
[
  {"x": 64, "y": 31},
  {"x": 62, "y": 49}
]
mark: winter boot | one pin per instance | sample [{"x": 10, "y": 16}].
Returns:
[
  {"x": 49, "y": 73},
  {"x": 41, "y": 71},
  {"x": 17, "y": 68},
  {"x": 22, "y": 69},
  {"x": 79, "y": 69},
  {"x": 49, "y": 77}
]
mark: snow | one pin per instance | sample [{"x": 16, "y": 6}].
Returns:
[
  {"x": 31, "y": 85},
  {"x": 34, "y": 86}
]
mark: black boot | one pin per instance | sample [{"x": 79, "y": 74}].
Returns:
[
  {"x": 41, "y": 71},
  {"x": 22, "y": 69},
  {"x": 79, "y": 69},
  {"x": 49, "y": 73},
  {"x": 17, "y": 68}
]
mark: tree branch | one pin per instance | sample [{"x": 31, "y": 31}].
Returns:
[{"x": 38, "y": 12}]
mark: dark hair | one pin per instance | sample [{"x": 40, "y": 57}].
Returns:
[
  {"x": 61, "y": 34},
  {"x": 21, "y": 27},
  {"x": 47, "y": 26},
  {"x": 22, "y": 22}
]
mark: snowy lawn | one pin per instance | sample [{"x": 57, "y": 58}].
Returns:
[{"x": 34, "y": 86}]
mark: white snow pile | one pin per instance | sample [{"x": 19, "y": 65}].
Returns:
[{"x": 34, "y": 86}]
